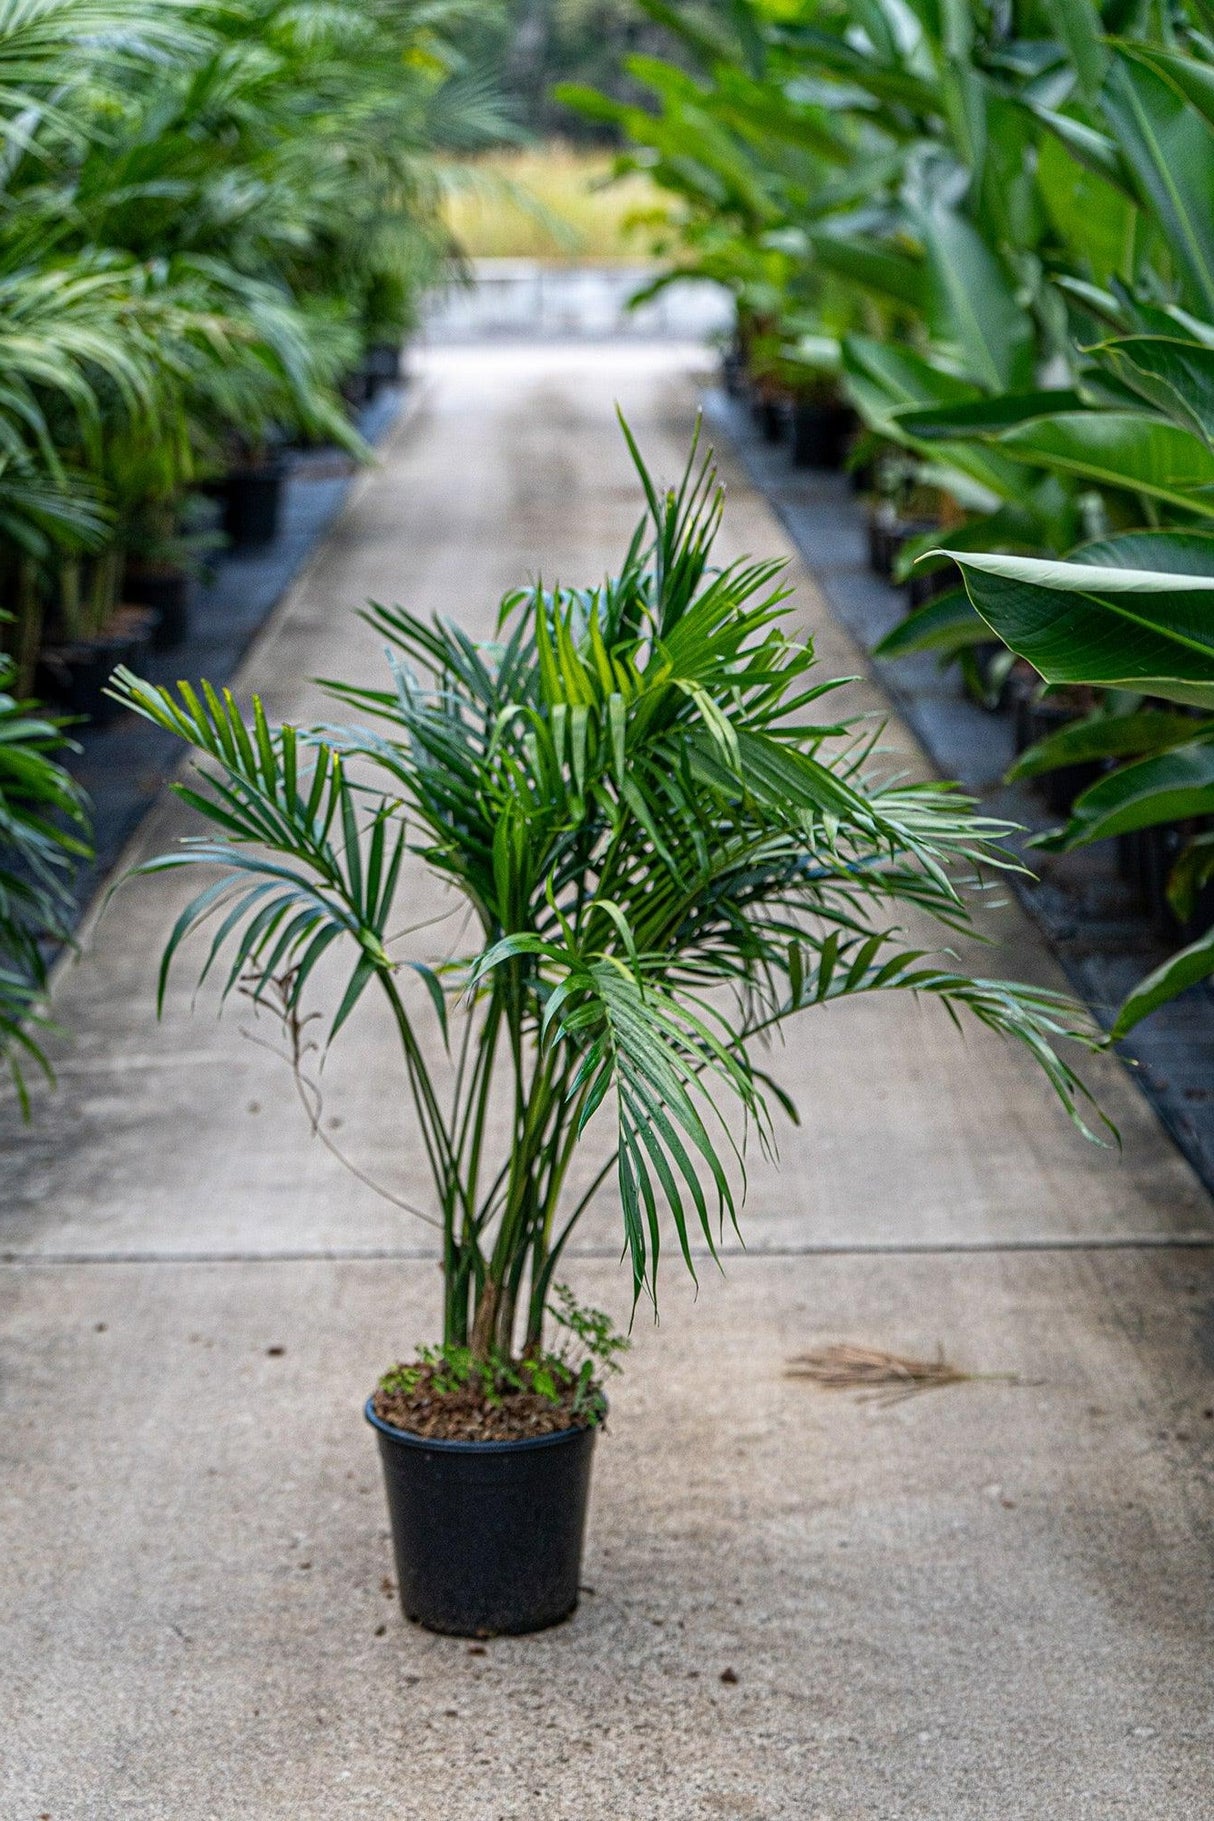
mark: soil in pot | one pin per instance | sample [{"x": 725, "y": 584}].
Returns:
[{"x": 421, "y": 1399}]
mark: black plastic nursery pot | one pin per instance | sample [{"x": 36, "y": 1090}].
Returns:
[
  {"x": 383, "y": 363},
  {"x": 821, "y": 435},
  {"x": 1035, "y": 720},
  {"x": 888, "y": 531},
  {"x": 252, "y": 504},
  {"x": 733, "y": 372},
  {"x": 487, "y": 1535},
  {"x": 771, "y": 417},
  {"x": 924, "y": 585},
  {"x": 72, "y": 677},
  {"x": 169, "y": 593}
]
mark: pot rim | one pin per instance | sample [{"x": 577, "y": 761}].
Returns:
[{"x": 449, "y": 1446}]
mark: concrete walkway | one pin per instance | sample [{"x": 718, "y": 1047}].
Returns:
[{"x": 990, "y": 1601}]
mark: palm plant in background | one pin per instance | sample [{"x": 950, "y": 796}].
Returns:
[
  {"x": 43, "y": 835},
  {"x": 194, "y": 256},
  {"x": 208, "y": 213},
  {"x": 665, "y": 853}
]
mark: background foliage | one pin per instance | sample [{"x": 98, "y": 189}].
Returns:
[
  {"x": 990, "y": 226},
  {"x": 208, "y": 212}
]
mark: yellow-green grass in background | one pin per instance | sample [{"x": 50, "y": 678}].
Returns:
[{"x": 549, "y": 202}]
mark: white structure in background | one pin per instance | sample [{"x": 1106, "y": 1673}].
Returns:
[{"x": 538, "y": 302}]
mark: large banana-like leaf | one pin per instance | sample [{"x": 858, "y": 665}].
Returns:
[
  {"x": 946, "y": 625},
  {"x": 1149, "y": 630},
  {"x": 884, "y": 270},
  {"x": 1108, "y": 736},
  {"x": 1090, "y": 202},
  {"x": 1175, "y": 376},
  {"x": 1190, "y": 76},
  {"x": 1120, "y": 449},
  {"x": 885, "y": 379},
  {"x": 1173, "y": 977},
  {"x": 1169, "y": 147},
  {"x": 975, "y": 307},
  {"x": 1172, "y": 552},
  {"x": 985, "y": 417},
  {"x": 1078, "y": 25},
  {"x": 1168, "y": 787}
]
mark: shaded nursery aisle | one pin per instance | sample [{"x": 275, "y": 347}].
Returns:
[{"x": 989, "y": 1601}]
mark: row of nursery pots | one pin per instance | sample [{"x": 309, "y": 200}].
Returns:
[
  {"x": 824, "y": 434},
  {"x": 157, "y": 599},
  {"x": 819, "y": 430}
]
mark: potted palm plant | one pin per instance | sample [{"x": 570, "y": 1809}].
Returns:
[
  {"x": 664, "y": 852},
  {"x": 44, "y": 838}
]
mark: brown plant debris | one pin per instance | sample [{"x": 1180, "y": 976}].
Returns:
[{"x": 889, "y": 1377}]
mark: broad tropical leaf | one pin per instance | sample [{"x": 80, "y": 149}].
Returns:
[{"x": 1151, "y": 631}]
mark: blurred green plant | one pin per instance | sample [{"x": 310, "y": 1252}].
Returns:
[
  {"x": 43, "y": 837},
  {"x": 1012, "y": 210}
]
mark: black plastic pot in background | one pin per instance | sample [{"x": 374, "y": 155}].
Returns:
[
  {"x": 888, "y": 533},
  {"x": 358, "y": 388},
  {"x": 487, "y": 1535},
  {"x": 383, "y": 364},
  {"x": 1145, "y": 858},
  {"x": 72, "y": 677},
  {"x": 771, "y": 418},
  {"x": 1200, "y": 918},
  {"x": 821, "y": 435},
  {"x": 252, "y": 504},
  {"x": 924, "y": 585},
  {"x": 170, "y": 595},
  {"x": 1034, "y": 720},
  {"x": 733, "y": 372},
  {"x": 862, "y": 476}
]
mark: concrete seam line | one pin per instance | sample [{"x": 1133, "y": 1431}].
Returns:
[{"x": 1104, "y": 1242}]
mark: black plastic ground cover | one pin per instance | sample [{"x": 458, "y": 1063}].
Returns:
[
  {"x": 1101, "y": 938},
  {"x": 123, "y": 766}
]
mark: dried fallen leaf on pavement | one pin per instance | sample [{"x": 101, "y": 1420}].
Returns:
[{"x": 843, "y": 1366}]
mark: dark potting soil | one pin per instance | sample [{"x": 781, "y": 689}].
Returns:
[{"x": 466, "y": 1414}]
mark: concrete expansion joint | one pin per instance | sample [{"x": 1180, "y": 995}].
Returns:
[{"x": 1065, "y": 1242}]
